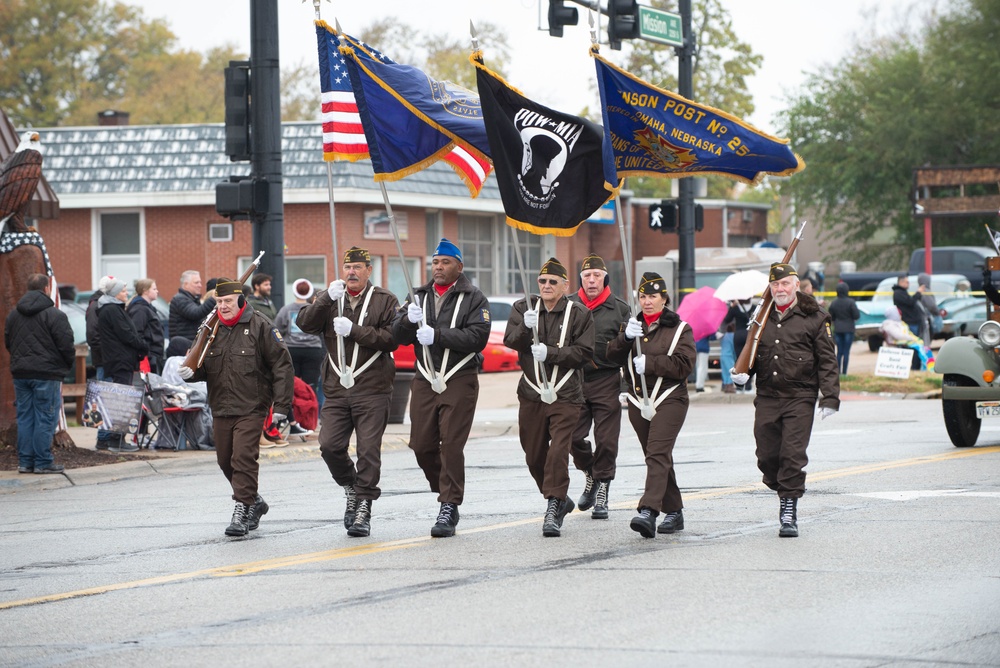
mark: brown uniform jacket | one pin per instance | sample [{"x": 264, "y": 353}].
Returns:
[
  {"x": 796, "y": 356},
  {"x": 656, "y": 340},
  {"x": 372, "y": 336},
  {"x": 248, "y": 368},
  {"x": 608, "y": 319},
  {"x": 577, "y": 350}
]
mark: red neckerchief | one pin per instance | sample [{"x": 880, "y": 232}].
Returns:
[
  {"x": 650, "y": 319},
  {"x": 232, "y": 323},
  {"x": 600, "y": 299},
  {"x": 784, "y": 308},
  {"x": 355, "y": 294},
  {"x": 441, "y": 289}
]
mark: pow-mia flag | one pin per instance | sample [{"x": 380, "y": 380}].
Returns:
[{"x": 547, "y": 163}]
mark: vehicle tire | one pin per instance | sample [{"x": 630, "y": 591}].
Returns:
[
  {"x": 960, "y": 416},
  {"x": 874, "y": 342}
]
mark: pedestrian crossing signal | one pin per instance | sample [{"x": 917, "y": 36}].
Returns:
[{"x": 663, "y": 216}]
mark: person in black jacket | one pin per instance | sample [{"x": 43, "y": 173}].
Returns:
[
  {"x": 186, "y": 311},
  {"x": 40, "y": 342},
  {"x": 94, "y": 341},
  {"x": 909, "y": 305},
  {"x": 122, "y": 345},
  {"x": 844, "y": 312},
  {"x": 147, "y": 321}
]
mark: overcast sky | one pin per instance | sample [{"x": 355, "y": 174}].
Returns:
[{"x": 794, "y": 36}]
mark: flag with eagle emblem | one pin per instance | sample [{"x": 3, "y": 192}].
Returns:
[{"x": 649, "y": 131}]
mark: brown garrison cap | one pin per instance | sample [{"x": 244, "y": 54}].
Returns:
[
  {"x": 593, "y": 261},
  {"x": 554, "y": 267},
  {"x": 652, "y": 283},
  {"x": 780, "y": 270},
  {"x": 226, "y": 286},
  {"x": 355, "y": 254}
]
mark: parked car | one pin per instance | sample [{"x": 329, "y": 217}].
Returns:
[
  {"x": 967, "y": 314},
  {"x": 970, "y": 391},
  {"x": 496, "y": 356},
  {"x": 873, "y": 311}
]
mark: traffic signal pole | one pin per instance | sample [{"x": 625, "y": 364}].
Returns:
[
  {"x": 685, "y": 227},
  {"x": 265, "y": 142}
]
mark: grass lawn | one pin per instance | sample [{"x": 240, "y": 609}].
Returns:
[{"x": 919, "y": 381}]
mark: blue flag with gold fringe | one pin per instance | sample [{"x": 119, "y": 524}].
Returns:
[
  {"x": 649, "y": 131},
  {"x": 547, "y": 163}
]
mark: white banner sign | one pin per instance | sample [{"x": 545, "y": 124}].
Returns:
[{"x": 894, "y": 362}]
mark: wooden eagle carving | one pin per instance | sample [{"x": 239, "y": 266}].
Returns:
[{"x": 19, "y": 176}]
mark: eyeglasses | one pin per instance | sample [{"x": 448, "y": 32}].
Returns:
[{"x": 548, "y": 281}]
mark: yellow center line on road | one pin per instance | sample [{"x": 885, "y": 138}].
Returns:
[{"x": 374, "y": 548}]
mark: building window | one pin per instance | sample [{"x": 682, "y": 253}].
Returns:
[
  {"x": 377, "y": 225},
  {"x": 477, "y": 239},
  {"x": 313, "y": 269},
  {"x": 220, "y": 232},
  {"x": 121, "y": 240},
  {"x": 531, "y": 255}
]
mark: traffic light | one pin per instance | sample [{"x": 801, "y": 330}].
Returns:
[
  {"x": 559, "y": 16},
  {"x": 241, "y": 196},
  {"x": 237, "y": 101},
  {"x": 623, "y": 21},
  {"x": 663, "y": 216},
  {"x": 699, "y": 217}
]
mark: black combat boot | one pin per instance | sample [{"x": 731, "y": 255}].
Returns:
[
  {"x": 260, "y": 509},
  {"x": 589, "y": 492},
  {"x": 789, "y": 528},
  {"x": 240, "y": 524},
  {"x": 352, "y": 505},
  {"x": 446, "y": 522},
  {"x": 672, "y": 522},
  {"x": 645, "y": 522},
  {"x": 550, "y": 527},
  {"x": 361, "y": 526},
  {"x": 601, "y": 500}
]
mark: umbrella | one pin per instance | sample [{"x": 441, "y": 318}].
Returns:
[
  {"x": 703, "y": 312},
  {"x": 742, "y": 285}
]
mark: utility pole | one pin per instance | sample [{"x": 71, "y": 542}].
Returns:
[
  {"x": 686, "y": 222},
  {"x": 265, "y": 142}
]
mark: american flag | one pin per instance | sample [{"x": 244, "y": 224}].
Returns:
[{"x": 343, "y": 134}]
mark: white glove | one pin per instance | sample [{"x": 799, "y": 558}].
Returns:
[
  {"x": 185, "y": 372},
  {"x": 739, "y": 378},
  {"x": 539, "y": 351},
  {"x": 414, "y": 313},
  {"x": 531, "y": 318},
  {"x": 425, "y": 335},
  {"x": 278, "y": 418},
  {"x": 639, "y": 362},
  {"x": 342, "y": 326},
  {"x": 824, "y": 413},
  {"x": 336, "y": 289},
  {"x": 633, "y": 329}
]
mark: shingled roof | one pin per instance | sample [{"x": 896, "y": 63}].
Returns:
[{"x": 186, "y": 161}]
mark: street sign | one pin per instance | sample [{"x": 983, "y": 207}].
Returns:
[{"x": 659, "y": 26}]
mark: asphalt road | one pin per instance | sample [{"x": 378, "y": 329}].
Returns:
[{"x": 897, "y": 563}]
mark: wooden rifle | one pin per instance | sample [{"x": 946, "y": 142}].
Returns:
[
  {"x": 210, "y": 326},
  {"x": 760, "y": 316}
]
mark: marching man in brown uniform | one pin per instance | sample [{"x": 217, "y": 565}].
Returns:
[
  {"x": 248, "y": 369},
  {"x": 450, "y": 319},
  {"x": 796, "y": 361},
  {"x": 550, "y": 402},
  {"x": 601, "y": 388},
  {"x": 355, "y": 320},
  {"x": 667, "y": 358}
]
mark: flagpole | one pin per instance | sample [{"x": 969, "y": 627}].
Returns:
[
  {"x": 646, "y": 409},
  {"x": 435, "y": 380},
  {"x": 544, "y": 376}
]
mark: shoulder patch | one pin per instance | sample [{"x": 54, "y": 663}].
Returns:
[
  {"x": 277, "y": 335},
  {"x": 829, "y": 334},
  {"x": 486, "y": 315}
]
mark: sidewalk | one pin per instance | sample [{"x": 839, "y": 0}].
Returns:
[{"x": 497, "y": 404}]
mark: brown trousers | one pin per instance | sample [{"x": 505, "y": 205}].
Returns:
[
  {"x": 366, "y": 416},
  {"x": 657, "y": 438},
  {"x": 782, "y": 428},
  {"x": 237, "y": 447},
  {"x": 546, "y": 432},
  {"x": 439, "y": 428},
  {"x": 600, "y": 406}
]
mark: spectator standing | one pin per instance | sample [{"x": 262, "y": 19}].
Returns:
[
  {"x": 186, "y": 310},
  {"x": 261, "y": 297},
  {"x": 306, "y": 349},
  {"x": 738, "y": 317},
  {"x": 40, "y": 342},
  {"x": 909, "y": 305},
  {"x": 94, "y": 342},
  {"x": 844, "y": 312},
  {"x": 932, "y": 314},
  {"x": 123, "y": 347},
  {"x": 702, "y": 348},
  {"x": 147, "y": 321}
]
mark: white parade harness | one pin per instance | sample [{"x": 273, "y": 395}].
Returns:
[
  {"x": 655, "y": 397},
  {"x": 439, "y": 380},
  {"x": 350, "y": 371},
  {"x": 551, "y": 393}
]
